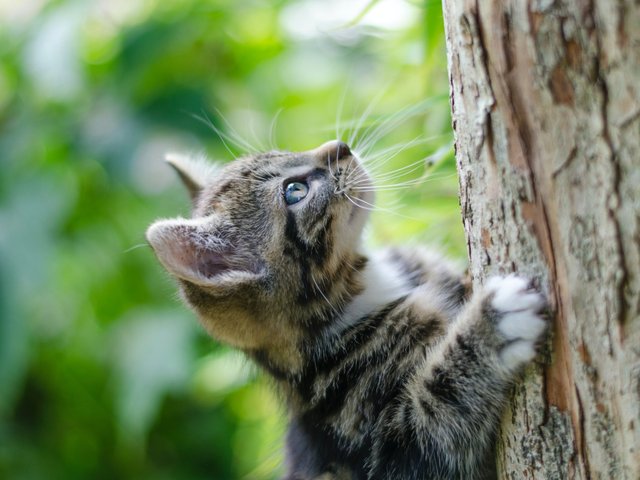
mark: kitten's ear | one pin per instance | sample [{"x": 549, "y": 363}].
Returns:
[
  {"x": 194, "y": 171},
  {"x": 197, "y": 250}
]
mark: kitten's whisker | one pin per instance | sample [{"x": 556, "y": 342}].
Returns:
[
  {"x": 343, "y": 96},
  {"x": 364, "y": 115},
  {"x": 427, "y": 163},
  {"x": 378, "y": 159},
  {"x": 398, "y": 118},
  {"x": 359, "y": 172},
  {"x": 353, "y": 200},
  {"x": 254, "y": 135},
  {"x": 236, "y": 137},
  {"x": 397, "y": 186},
  {"x": 333, "y": 176},
  {"x": 399, "y": 173},
  {"x": 353, "y": 156},
  {"x": 374, "y": 172},
  {"x": 351, "y": 266},
  {"x": 224, "y": 138},
  {"x": 383, "y": 189},
  {"x": 425, "y": 177},
  {"x": 272, "y": 130},
  {"x": 373, "y": 208},
  {"x": 372, "y": 137},
  {"x": 135, "y": 247},
  {"x": 324, "y": 296},
  {"x": 383, "y": 156},
  {"x": 361, "y": 135},
  {"x": 360, "y": 179},
  {"x": 360, "y": 203}
]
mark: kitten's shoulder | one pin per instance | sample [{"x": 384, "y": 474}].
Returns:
[
  {"x": 394, "y": 273},
  {"x": 420, "y": 265},
  {"x": 435, "y": 281}
]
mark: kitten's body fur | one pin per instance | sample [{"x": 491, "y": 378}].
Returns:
[{"x": 391, "y": 368}]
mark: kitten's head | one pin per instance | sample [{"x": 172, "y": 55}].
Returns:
[{"x": 271, "y": 243}]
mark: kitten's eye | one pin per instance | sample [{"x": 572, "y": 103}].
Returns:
[{"x": 295, "y": 191}]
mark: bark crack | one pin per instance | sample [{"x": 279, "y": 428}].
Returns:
[
  {"x": 584, "y": 451},
  {"x": 623, "y": 277},
  {"x": 567, "y": 162}
]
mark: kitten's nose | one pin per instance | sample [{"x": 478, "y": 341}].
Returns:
[{"x": 333, "y": 151}]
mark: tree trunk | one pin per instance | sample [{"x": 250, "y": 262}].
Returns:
[{"x": 546, "y": 111}]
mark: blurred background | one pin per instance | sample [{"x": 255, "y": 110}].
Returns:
[{"x": 103, "y": 373}]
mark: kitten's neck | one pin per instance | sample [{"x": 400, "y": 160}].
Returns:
[{"x": 381, "y": 283}]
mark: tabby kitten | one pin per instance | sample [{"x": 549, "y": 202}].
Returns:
[{"x": 391, "y": 368}]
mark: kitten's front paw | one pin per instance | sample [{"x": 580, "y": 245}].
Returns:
[{"x": 519, "y": 321}]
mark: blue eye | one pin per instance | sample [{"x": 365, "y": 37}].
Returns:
[{"x": 295, "y": 191}]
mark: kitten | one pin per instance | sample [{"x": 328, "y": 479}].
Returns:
[{"x": 391, "y": 368}]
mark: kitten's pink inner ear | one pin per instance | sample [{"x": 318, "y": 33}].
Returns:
[
  {"x": 209, "y": 264},
  {"x": 189, "y": 250}
]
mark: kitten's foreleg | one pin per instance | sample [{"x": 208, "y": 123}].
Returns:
[{"x": 453, "y": 403}]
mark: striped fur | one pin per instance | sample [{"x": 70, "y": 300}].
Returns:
[{"x": 391, "y": 368}]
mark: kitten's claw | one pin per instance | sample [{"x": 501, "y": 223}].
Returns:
[{"x": 519, "y": 322}]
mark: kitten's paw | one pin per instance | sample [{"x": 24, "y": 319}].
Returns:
[{"x": 518, "y": 307}]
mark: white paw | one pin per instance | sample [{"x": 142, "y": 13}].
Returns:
[
  {"x": 517, "y": 353},
  {"x": 519, "y": 322}
]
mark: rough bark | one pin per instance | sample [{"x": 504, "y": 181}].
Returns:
[{"x": 546, "y": 110}]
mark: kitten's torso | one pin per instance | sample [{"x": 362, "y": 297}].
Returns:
[
  {"x": 391, "y": 368},
  {"x": 350, "y": 395}
]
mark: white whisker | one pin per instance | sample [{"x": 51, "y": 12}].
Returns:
[
  {"x": 135, "y": 247},
  {"x": 374, "y": 208},
  {"x": 380, "y": 179},
  {"x": 361, "y": 178},
  {"x": 339, "y": 108},
  {"x": 401, "y": 185},
  {"x": 254, "y": 136},
  {"x": 333, "y": 176},
  {"x": 364, "y": 116},
  {"x": 272, "y": 130},
  {"x": 398, "y": 172},
  {"x": 324, "y": 296},
  {"x": 235, "y": 137},
  {"x": 374, "y": 161},
  {"x": 371, "y": 137},
  {"x": 224, "y": 138}
]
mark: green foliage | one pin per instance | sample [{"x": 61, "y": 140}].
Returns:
[{"x": 103, "y": 374}]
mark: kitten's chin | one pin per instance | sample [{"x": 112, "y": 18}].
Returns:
[{"x": 361, "y": 205}]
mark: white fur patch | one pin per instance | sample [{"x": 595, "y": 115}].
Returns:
[
  {"x": 520, "y": 322},
  {"x": 383, "y": 283}
]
